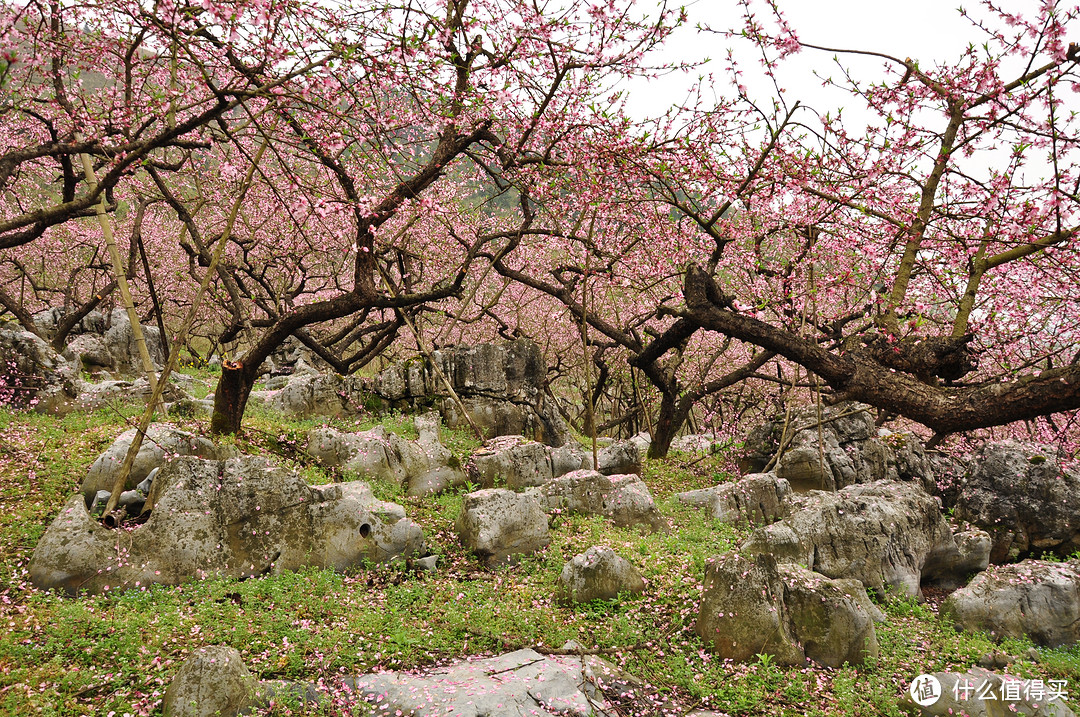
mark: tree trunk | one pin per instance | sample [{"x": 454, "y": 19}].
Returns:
[
  {"x": 671, "y": 419},
  {"x": 231, "y": 396}
]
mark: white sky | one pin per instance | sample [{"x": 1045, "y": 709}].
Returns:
[{"x": 924, "y": 30}]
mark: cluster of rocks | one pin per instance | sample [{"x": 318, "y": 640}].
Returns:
[
  {"x": 518, "y": 463},
  {"x": 238, "y": 517},
  {"x": 35, "y": 376},
  {"x": 502, "y": 387},
  {"x": 842, "y": 448},
  {"x": 103, "y": 345},
  {"x": 215, "y": 681},
  {"x": 423, "y": 466},
  {"x": 500, "y": 525}
]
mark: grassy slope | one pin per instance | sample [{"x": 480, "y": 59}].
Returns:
[{"x": 117, "y": 653}]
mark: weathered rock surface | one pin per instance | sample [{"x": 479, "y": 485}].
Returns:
[
  {"x": 980, "y": 693},
  {"x": 754, "y": 606},
  {"x": 425, "y": 466},
  {"x": 854, "y": 451},
  {"x": 501, "y": 385},
  {"x": 109, "y": 345},
  {"x": 890, "y": 536},
  {"x": 517, "y": 683},
  {"x": 307, "y": 394},
  {"x": 1036, "y": 598},
  {"x": 499, "y": 525},
  {"x": 239, "y": 517},
  {"x": 513, "y": 684},
  {"x": 518, "y": 463},
  {"x": 625, "y": 499},
  {"x": 597, "y": 574},
  {"x": 757, "y": 498},
  {"x": 32, "y": 375},
  {"x": 161, "y": 441},
  {"x": 1025, "y": 500},
  {"x": 213, "y": 681}
]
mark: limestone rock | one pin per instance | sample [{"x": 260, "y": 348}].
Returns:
[
  {"x": 120, "y": 342},
  {"x": 625, "y": 499},
  {"x": 32, "y": 375},
  {"x": 237, "y": 518},
  {"x": 1036, "y": 598},
  {"x": 760, "y": 498},
  {"x": 1024, "y": 498},
  {"x": 981, "y": 693},
  {"x": 501, "y": 386},
  {"x": 425, "y": 466},
  {"x": 161, "y": 441},
  {"x": 890, "y": 536},
  {"x": 597, "y": 574},
  {"x": 213, "y": 681},
  {"x": 517, "y": 683},
  {"x": 754, "y": 606},
  {"x": 852, "y": 449},
  {"x": 499, "y": 524}
]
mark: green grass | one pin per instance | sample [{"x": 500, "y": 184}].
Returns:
[{"x": 117, "y": 653}]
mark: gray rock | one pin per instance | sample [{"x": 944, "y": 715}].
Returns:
[
  {"x": 33, "y": 375},
  {"x": 757, "y": 498},
  {"x": 978, "y": 693},
  {"x": 625, "y": 499},
  {"x": 1025, "y": 500},
  {"x": 516, "y": 462},
  {"x": 697, "y": 443},
  {"x": 501, "y": 385},
  {"x": 213, "y": 681},
  {"x": 753, "y": 606},
  {"x": 518, "y": 683},
  {"x": 890, "y": 536},
  {"x": 307, "y": 395},
  {"x": 236, "y": 518},
  {"x": 425, "y": 466},
  {"x": 846, "y": 449},
  {"x": 618, "y": 458},
  {"x": 161, "y": 441},
  {"x": 597, "y": 574},
  {"x": 1035, "y": 598},
  {"x": 120, "y": 343},
  {"x": 92, "y": 396},
  {"x": 90, "y": 353},
  {"x": 499, "y": 525}
]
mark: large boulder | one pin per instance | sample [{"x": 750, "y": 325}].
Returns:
[
  {"x": 759, "y": 498},
  {"x": 500, "y": 525},
  {"x": 981, "y": 693},
  {"x": 212, "y": 682},
  {"x": 1035, "y": 598},
  {"x": 236, "y": 518},
  {"x": 625, "y": 499},
  {"x": 501, "y": 385},
  {"x": 752, "y": 606},
  {"x": 518, "y": 463},
  {"x": 890, "y": 536},
  {"x": 1024, "y": 498},
  {"x": 597, "y": 574},
  {"x": 161, "y": 441},
  {"x": 517, "y": 683},
  {"x": 32, "y": 375},
  {"x": 308, "y": 394},
  {"x": 424, "y": 466},
  {"x": 841, "y": 449},
  {"x": 120, "y": 343}
]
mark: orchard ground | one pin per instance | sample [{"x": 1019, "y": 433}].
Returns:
[{"x": 116, "y": 654}]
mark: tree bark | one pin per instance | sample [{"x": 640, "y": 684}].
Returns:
[{"x": 231, "y": 396}]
